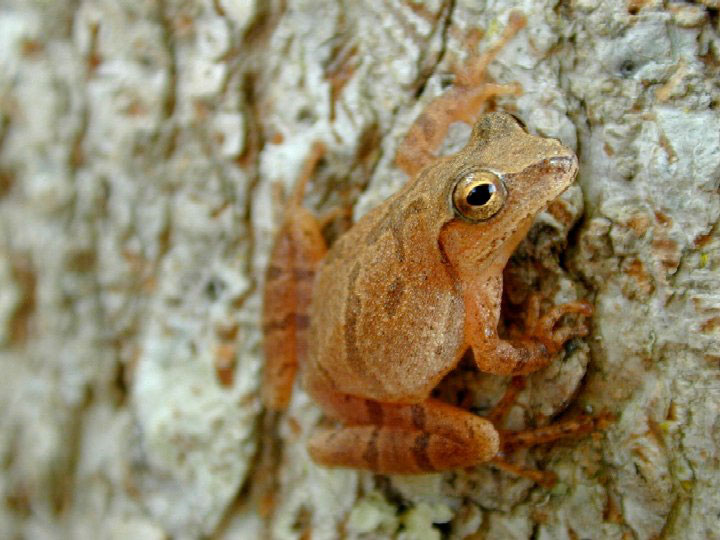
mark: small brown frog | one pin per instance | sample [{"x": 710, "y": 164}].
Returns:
[{"x": 392, "y": 307}]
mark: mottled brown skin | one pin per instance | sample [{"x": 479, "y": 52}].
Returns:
[
  {"x": 404, "y": 293},
  {"x": 401, "y": 297}
]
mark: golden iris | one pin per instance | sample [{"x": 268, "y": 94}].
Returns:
[{"x": 479, "y": 195}]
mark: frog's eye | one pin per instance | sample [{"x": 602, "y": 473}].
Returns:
[{"x": 479, "y": 195}]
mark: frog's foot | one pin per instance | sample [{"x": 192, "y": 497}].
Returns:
[
  {"x": 545, "y": 328},
  {"x": 515, "y": 440},
  {"x": 512, "y": 440},
  {"x": 390, "y": 438}
]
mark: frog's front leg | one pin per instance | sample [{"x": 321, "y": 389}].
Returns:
[
  {"x": 526, "y": 351},
  {"x": 391, "y": 438},
  {"x": 545, "y": 328}
]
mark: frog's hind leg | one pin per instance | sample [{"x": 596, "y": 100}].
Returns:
[
  {"x": 392, "y": 438},
  {"x": 462, "y": 103},
  {"x": 298, "y": 249},
  {"x": 474, "y": 71},
  {"x": 514, "y": 440}
]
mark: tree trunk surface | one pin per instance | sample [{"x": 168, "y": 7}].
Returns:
[{"x": 145, "y": 146}]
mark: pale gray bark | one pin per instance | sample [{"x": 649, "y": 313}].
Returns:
[{"x": 139, "y": 145}]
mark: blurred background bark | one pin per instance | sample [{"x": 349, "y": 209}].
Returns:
[{"x": 143, "y": 145}]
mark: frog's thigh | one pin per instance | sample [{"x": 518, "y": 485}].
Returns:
[
  {"x": 394, "y": 438},
  {"x": 295, "y": 258}
]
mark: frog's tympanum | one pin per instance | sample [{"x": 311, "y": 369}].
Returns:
[{"x": 376, "y": 321}]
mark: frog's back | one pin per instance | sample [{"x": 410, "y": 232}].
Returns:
[{"x": 387, "y": 320}]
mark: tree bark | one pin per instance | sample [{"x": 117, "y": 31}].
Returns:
[{"x": 142, "y": 144}]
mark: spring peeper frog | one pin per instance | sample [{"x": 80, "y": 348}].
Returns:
[{"x": 378, "y": 320}]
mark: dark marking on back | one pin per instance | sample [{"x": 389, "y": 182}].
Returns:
[
  {"x": 394, "y": 221},
  {"x": 393, "y": 296},
  {"x": 383, "y": 223},
  {"x": 351, "y": 316},
  {"x": 449, "y": 333},
  {"x": 399, "y": 222},
  {"x": 420, "y": 454},
  {"x": 371, "y": 454},
  {"x": 352, "y": 312}
]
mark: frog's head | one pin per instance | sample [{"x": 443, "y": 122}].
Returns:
[{"x": 498, "y": 184}]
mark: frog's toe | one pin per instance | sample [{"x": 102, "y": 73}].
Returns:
[{"x": 554, "y": 338}]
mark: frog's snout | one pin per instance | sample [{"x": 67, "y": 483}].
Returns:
[{"x": 564, "y": 164}]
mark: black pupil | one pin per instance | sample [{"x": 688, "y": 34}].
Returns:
[{"x": 480, "y": 194}]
